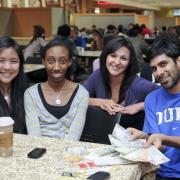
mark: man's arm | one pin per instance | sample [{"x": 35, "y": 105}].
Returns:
[{"x": 160, "y": 139}]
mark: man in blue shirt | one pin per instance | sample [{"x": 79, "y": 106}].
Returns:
[{"x": 162, "y": 107}]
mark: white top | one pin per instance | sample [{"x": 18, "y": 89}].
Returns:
[
  {"x": 34, "y": 47},
  {"x": 6, "y": 121}
]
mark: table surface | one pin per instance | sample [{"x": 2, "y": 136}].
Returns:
[
  {"x": 32, "y": 67},
  {"x": 50, "y": 166}
]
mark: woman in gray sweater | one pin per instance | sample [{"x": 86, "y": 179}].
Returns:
[{"x": 56, "y": 108}]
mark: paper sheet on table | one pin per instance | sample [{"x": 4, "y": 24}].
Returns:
[
  {"x": 124, "y": 137},
  {"x": 122, "y": 147},
  {"x": 151, "y": 155},
  {"x": 106, "y": 155},
  {"x": 133, "y": 150},
  {"x": 108, "y": 160}
]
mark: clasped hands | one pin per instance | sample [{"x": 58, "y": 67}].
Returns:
[{"x": 112, "y": 108}]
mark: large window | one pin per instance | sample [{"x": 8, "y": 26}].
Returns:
[{"x": 176, "y": 12}]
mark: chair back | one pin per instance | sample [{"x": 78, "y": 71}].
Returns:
[
  {"x": 135, "y": 120},
  {"x": 98, "y": 125},
  {"x": 33, "y": 60}
]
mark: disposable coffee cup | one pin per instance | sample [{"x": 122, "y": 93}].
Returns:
[{"x": 6, "y": 136}]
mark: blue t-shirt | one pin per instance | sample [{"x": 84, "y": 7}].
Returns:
[{"x": 162, "y": 111}]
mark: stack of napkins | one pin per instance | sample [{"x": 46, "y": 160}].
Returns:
[{"x": 133, "y": 150}]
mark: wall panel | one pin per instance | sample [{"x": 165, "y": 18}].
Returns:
[
  {"x": 25, "y": 18},
  {"x": 102, "y": 20},
  {"x": 5, "y": 21}
]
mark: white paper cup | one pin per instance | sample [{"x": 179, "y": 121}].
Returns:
[{"x": 6, "y": 136}]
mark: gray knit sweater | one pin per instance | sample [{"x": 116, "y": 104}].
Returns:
[{"x": 41, "y": 123}]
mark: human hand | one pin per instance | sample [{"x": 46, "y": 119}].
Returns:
[
  {"x": 137, "y": 134},
  {"x": 108, "y": 105},
  {"x": 156, "y": 140},
  {"x": 132, "y": 109}
]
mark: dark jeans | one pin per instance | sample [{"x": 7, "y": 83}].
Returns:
[{"x": 161, "y": 178}]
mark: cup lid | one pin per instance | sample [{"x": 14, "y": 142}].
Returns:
[{"x": 6, "y": 121}]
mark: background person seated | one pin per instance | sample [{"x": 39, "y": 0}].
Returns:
[
  {"x": 63, "y": 33},
  {"x": 97, "y": 42},
  {"x": 77, "y": 38},
  {"x": 106, "y": 38},
  {"x": 36, "y": 43}
]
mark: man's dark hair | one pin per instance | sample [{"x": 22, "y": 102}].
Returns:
[
  {"x": 135, "y": 31},
  {"x": 166, "y": 43},
  {"x": 64, "y": 30},
  {"x": 164, "y": 28}
]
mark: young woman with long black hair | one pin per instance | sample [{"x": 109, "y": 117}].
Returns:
[
  {"x": 116, "y": 86},
  {"x": 12, "y": 82}
]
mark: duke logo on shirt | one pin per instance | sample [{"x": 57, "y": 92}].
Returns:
[{"x": 168, "y": 115}]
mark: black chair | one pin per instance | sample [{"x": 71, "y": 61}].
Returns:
[
  {"x": 135, "y": 121},
  {"x": 98, "y": 125},
  {"x": 38, "y": 75},
  {"x": 33, "y": 60}
]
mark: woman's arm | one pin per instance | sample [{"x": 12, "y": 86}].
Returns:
[
  {"x": 106, "y": 104},
  {"x": 78, "y": 122},
  {"x": 132, "y": 109},
  {"x": 96, "y": 89},
  {"x": 32, "y": 120}
]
